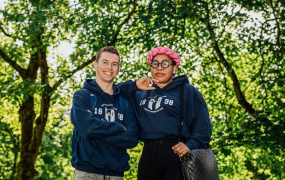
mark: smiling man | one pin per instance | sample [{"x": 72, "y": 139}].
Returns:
[{"x": 104, "y": 123}]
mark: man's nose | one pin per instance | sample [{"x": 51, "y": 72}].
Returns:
[{"x": 109, "y": 66}]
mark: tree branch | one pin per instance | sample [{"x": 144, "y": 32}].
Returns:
[
  {"x": 174, "y": 34},
  {"x": 122, "y": 24},
  {"x": 58, "y": 83},
  {"x": 261, "y": 48},
  {"x": 33, "y": 65},
  {"x": 232, "y": 18},
  {"x": 277, "y": 24},
  {"x": 6, "y": 34},
  {"x": 241, "y": 99},
  {"x": 14, "y": 64},
  {"x": 260, "y": 45}
]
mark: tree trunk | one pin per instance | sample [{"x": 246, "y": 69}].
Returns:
[
  {"x": 25, "y": 168},
  {"x": 31, "y": 137}
]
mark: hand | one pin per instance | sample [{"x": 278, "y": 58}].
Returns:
[
  {"x": 145, "y": 83},
  {"x": 125, "y": 128},
  {"x": 180, "y": 149}
]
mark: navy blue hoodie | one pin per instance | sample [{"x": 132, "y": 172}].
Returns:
[
  {"x": 158, "y": 112},
  {"x": 101, "y": 135}
]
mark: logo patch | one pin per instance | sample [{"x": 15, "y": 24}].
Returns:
[
  {"x": 109, "y": 111},
  {"x": 154, "y": 104}
]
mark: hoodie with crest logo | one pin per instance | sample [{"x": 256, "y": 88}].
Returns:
[
  {"x": 102, "y": 131},
  {"x": 158, "y": 112}
]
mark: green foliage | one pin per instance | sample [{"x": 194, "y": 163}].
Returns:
[
  {"x": 9, "y": 150},
  {"x": 54, "y": 158},
  {"x": 135, "y": 154}
]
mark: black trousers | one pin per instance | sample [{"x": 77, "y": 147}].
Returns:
[{"x": 158, "y": 161}]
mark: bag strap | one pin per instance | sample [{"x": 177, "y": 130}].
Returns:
[
  {"x": 123, "y": 103},
  {"x": 181, "y": 111}
]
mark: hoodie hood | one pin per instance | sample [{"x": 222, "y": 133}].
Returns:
[
  {"x": 92, "y": 85},
  {"x": 176, "y": 82}
]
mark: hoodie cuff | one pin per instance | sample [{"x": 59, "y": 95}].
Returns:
[{"x": 134, "y": 86}]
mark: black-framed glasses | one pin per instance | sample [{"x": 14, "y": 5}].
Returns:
[{"x": 164, "y": 64}]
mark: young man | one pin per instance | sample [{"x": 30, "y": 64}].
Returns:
[{"x": 104, "y": 123}]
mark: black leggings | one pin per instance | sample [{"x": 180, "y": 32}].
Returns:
[{"x": 158, "y": 161}]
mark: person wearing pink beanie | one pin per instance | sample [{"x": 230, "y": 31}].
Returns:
[
  {"x": 163, "y": 50},
  {"x": 169, "y": 61},
  {"x": 158, "y": 113}
]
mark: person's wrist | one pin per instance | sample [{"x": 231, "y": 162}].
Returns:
[{"x": 136, "y": 85}]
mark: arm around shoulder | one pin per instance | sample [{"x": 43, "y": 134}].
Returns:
[{"x": 127, "y": 88}]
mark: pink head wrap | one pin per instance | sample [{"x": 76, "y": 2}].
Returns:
[{"x": 163, "y": 50}]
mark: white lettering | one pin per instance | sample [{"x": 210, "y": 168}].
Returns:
[
  {"x": 120, "y": 116},
  {"x": 167, "y": 101},
  {"x": 142, "y": 102}
]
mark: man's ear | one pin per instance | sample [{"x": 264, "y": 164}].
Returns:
[
  {"x": 119, "y": 70},
  {"x": 95, "y": 65}
]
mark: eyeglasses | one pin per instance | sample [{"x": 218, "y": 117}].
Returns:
[{"x": 164, "y": 64}]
